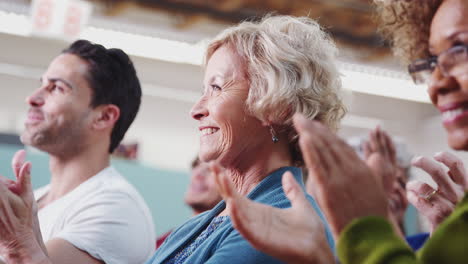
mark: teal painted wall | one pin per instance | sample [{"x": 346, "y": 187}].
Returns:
[{"x": 163, "y": 190}]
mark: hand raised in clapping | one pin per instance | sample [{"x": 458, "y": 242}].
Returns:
[
  {"x": 294, "y": 235},
  {"x": 448, "y": 171},
  {"x": 344, "y": 186},
  {"x": 19, "y": 226}
]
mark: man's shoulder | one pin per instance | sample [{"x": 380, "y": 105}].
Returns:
[
  {"x": 39, "y": 192},
  {"x": 110, "y": 182},
  {"x": 110, "y": 191}
]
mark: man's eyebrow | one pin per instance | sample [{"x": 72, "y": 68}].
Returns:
[{"x": 63, "y": 81}]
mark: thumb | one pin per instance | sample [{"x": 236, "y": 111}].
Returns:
[
  {"x": 24, "y": 182},
  {"x": 294, "y": 191},
  {"x": 18, "y": 161}
]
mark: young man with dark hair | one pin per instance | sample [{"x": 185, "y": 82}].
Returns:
[{"x": 89, "y": 213}]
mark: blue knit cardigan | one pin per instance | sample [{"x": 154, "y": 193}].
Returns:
[{"x": 226, "y": 245}]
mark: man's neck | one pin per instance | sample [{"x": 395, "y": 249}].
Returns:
[{"x": 69, "y": 173}]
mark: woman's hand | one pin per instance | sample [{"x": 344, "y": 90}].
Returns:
[
  {"x": 344, "y": 186},
  {"x": 293, "y": 235},
  {"x": 380, "y": 156},
  {"x": 437, "y": 204}
]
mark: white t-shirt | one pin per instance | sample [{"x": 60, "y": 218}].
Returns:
[{"x": 104, "y": 216}]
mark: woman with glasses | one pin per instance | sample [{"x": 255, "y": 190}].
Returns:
[{"x": 432, "y": 35}]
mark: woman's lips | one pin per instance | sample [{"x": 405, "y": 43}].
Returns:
[
  {"x": 208, "y": 130},
  {"x": 454, "y": 112}
]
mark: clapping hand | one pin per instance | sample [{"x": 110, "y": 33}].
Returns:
[
  {"x": 19, "y": 226},
  {"x": 294, "y": 235},
  {"x": 344, "y": 186},
  {"x": 448, "y": 171}
]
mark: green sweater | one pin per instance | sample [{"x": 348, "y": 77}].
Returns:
[{"x": 371, "y": 240}]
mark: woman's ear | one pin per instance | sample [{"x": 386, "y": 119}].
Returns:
[{"x": 106, "y": 116}]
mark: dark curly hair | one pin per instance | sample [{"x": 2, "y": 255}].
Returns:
[{"x": 406, "y": 25}]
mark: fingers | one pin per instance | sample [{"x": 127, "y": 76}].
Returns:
[
  {"x": 329, "y": 149},
  {"x": 294, "y": 191},
  {"x": 380, "y": 141},
  {"x": 373, "y": 141},
  {"x": 241, "y": 209},
  {"x": 428, "y": 202},
  {"x": 445, "y": 185},
  {"x": 457, "y": 169},
  {"x": 389, "y": 146},
  {"x": 310, "y": 145},
  {"x": 24, "y": 182},
  {"x": 6, "y": 181},
  {"x": 18, "y": 161},
  {"x": 366, "y": 149},
  {"x": 11, "y": 185},
  {"x": 420, "y": 189}
]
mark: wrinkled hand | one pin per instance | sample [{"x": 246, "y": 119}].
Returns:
[
  {"x": 436, "y": 205},
  {"x": 293, "y": 235},
  {"x": 380, "y": 156},
  {"x": 342, "y": 183},
  {"x": 19, "y": 227}
]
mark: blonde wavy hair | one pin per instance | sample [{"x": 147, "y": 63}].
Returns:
[
  {"x": 291, "y": 66},
  {"x": 406, "y": 25}
]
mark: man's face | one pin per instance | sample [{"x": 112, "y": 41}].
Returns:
[
  {"x": 202, "y": 194},
  {"x": 59, "y": 115}
]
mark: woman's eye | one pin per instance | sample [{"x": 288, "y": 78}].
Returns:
[{"x": 216, "y": 87}]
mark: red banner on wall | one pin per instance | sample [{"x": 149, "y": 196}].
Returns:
[{"x": 59, "y": 18}]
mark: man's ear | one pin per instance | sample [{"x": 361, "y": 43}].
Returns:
[{"x": 106, "y": 116}]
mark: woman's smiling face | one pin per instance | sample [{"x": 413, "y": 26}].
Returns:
[
  {"x": 449, "y": 94},
  {"x": 226, "y": 129}
]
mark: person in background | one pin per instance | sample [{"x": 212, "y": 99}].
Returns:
[
  {"x": 86, "y": 100},
  {"x": 202, "y": 194}
]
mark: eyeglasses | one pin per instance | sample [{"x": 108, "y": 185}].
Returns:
[{"x": 450, "y": 62}]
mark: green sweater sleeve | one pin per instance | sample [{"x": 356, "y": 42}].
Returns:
[
  {"x": 371, "y": 240},
  {"x": 449, "y": 242}
]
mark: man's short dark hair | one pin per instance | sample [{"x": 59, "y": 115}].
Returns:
[{"x": 113, "y": 80}]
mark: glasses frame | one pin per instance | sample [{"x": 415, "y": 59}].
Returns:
[{"x": 429, "y": 64}]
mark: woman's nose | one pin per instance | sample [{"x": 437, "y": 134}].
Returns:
[
  {"x": 199, "y": 110},
  {"x": 441, "y": 85}
]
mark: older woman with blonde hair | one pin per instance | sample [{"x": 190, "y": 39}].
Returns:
[{"x": 257, "y": 75}]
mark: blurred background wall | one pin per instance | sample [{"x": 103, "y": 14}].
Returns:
[{"x": 166, "y": 40}]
